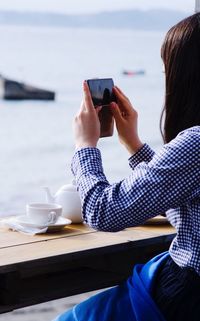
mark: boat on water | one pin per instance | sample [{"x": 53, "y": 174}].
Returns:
[
  {"x": 14, "y": 90},
  {"x": 133, "y": 72}
]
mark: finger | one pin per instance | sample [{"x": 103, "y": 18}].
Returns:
[
  {"x": 116, "y": 87},
  {"x": 124, "y": 102},
  {"x": 116, "y": 112},
  {"x": 121, "y": 98},
  {"x": 120, "y": 93},
  {"x": 97, "y": 109},
  {"x": 87, "y": 97},
  {"x": 82, "y": 108}
]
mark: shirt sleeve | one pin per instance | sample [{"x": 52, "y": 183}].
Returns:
[
  {"x": 145, "y": 154},
  {"x": 152, "y": 188}
]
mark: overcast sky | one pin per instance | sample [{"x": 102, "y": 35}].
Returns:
[{"x": 83, "y": 6}]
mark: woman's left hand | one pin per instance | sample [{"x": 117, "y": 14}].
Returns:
[{"x": 86, "y": 123}]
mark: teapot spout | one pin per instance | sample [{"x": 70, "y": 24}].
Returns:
[{"x": 49, "y": 197}]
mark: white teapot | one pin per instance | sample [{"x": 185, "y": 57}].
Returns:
[{"x": 68, "y": 197}]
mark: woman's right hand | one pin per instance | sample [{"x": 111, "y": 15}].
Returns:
[{"x": 126, "y": 122}]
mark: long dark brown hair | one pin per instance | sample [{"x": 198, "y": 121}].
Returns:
[{"x": 181, "y": 56}]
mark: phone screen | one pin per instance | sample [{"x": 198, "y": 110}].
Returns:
[
  {"x": 101, "y": 91},
  {"x": 102, "y": 95}
]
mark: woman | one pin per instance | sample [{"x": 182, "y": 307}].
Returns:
[{"x": 167, "y": 181}]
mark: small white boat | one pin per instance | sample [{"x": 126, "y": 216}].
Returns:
[{"x": 139, "y": 72}]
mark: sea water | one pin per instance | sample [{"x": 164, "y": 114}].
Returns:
[{"x": 36, "y": 138}]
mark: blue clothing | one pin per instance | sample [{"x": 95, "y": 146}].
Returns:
[
  {"x": 177, "y": 292},
  {"x": 166, "y": 181},
  {"x": 130, "y": 301}
]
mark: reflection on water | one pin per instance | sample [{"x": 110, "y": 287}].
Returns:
[{"x": 36, "y": 139}]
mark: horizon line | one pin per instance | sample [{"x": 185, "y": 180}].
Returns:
[{"x": 26, "y": 10}]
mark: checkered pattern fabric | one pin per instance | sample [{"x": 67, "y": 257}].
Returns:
[{"x": 166, "y": 181}]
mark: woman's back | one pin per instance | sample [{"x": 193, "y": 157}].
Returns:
[{"x": 185, "y": 249}]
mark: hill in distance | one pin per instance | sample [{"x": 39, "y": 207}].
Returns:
[{"x": 129, "y": 19}]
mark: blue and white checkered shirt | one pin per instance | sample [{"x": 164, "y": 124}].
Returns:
[{"x": 166, "y": 181}]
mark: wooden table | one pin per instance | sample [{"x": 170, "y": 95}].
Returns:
[{"x": 36, "y": 269}]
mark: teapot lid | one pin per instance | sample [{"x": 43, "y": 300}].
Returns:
[{"x": 69, "y": 187}]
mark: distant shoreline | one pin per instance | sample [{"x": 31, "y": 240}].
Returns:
[{"x": 132, "y": 19}]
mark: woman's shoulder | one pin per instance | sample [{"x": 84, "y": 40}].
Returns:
[
  {"x": 192, "y": 131},
  {"x": 183, "y": 149},
  {"x": 188, "y": 140},
  {"x": 185, "y": 143}
]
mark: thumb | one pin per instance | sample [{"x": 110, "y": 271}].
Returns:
[
  {"x": 87, "y": 97},
  {"x": 116, "y": 112}
]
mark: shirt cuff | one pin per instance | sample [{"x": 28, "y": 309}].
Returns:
[
  {"x": 144, "y": 154},
  {"x": 86, "y": 160}
]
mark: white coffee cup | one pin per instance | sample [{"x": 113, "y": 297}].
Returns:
[{"x": 43, "y": 213}]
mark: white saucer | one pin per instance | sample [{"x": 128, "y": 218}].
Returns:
[
  {"x": 60, "y": 224},
  {"x": 157, "y": 220}
]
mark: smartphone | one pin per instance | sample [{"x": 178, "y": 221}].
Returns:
[{"x": 102, "y": 95}]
